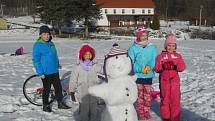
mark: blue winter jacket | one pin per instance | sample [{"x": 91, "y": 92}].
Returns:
[
  {"x": 45, "y": 57},
  {"x": 143, "y": 56}
]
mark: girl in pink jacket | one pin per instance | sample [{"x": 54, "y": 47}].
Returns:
[{"x": 168, "y": 64}]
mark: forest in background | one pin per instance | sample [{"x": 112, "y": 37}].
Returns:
[
  {"x": 186, "y": 9},
  {"x": 171, "y": 9}
]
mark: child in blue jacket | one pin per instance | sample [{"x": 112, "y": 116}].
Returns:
[
  {"x": 46, "y": 63},
  {"x": 143, "y": 55}
]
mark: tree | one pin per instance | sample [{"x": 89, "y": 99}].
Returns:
[
  {"x": 52, "y": 12},
  {"x": 88, "y": 11},
  {"x": 59, "y": 12},
  {"x": 155, "y": 23}
]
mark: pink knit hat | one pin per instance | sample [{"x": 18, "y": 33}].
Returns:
[
  {"x": 170, "y": 39},
  {"x": 139, "y": 33}
]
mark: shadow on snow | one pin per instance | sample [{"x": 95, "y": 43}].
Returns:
[{"x": 186, "y": 115}]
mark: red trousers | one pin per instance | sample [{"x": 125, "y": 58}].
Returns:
[
  {"x": 143, "y": 103},
  {"x": 170, "y": 98}
]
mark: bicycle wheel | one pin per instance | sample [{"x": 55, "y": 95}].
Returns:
[{"x": 32, "y": 90}]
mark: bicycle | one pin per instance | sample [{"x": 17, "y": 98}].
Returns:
[{"x": 33, "y": 89}]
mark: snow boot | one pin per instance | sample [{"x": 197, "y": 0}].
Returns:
[
  {"x": 47, "y": 108},
  {"x": 63, "y": 105}
]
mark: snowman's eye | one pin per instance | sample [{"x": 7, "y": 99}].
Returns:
[{"x": 116, "y": 57}]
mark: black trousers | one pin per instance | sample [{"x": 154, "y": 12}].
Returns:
[{"x": 52, "y": 79}]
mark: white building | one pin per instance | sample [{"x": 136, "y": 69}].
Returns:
[{"x": 125, "y": 13}]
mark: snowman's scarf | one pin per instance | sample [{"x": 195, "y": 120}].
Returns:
[{"x": 86, "y": 65}]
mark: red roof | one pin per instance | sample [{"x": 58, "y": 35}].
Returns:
[{"x": 126, "y": 3}]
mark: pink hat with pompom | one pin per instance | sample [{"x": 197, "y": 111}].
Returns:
[
  {"x": 139, "y": 32},
  {"x": 170, "y": 39}
]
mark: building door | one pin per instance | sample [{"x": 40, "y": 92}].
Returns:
[
  {"x": 120, "y": 23},
  {"x": 114, "y": 23}
]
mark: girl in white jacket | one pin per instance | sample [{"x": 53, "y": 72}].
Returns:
[{"x": 83, "y": 76}]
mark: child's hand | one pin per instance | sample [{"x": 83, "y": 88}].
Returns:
[
  {"x": 169, "y": 66},
  {"x": 59, "y": 67},
  {"x": 146, "y": 69},
  {"x": 172, "y": 65},
  {"x": 42, "y": 77}
]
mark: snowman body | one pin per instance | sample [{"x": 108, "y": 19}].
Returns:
[{"x": 120, "y": 92}]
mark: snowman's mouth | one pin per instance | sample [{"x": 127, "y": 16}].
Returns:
[{"x": 119, "y": 68}]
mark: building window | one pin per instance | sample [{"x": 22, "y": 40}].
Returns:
[
  {"x": 106, "y": 11},
  {"x": 133, "y": 11},
  {"x": 149, "y": 11},
  {"x": 123, "y": 11},
  {"x": 143, "y": 11},
  {"x": 114, "y": 11}
]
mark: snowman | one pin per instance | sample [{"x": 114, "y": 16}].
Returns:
[{"x": 120, "y": 90}]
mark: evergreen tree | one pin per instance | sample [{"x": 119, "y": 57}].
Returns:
[
  {"x": 52, "y": 12},
  {"x": 87, "y": 11},
  {"x": 155, "y": 23},
  {"x": 58, "y": 12}
]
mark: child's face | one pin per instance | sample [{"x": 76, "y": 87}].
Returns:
[
  {"x": 88, "y": 56},
  {"x": 144, "y": 39},
  {"x": 171, "y": 47},
  {"x": 45, "y": 36}
]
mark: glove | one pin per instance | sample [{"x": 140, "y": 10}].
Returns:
[
  {"x": 169, "y": 66},
  {"x": 172, "y": 66},
  {"x": 146, "y": 69},
  {"x": 73, "y": 96}
]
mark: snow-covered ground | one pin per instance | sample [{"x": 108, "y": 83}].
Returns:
[
  {"x": 197, "y": 82},
  {"x": 22, "y": 22}
]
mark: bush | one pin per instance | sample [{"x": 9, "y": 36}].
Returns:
[
  {"x": 122, "y": 31},
  {"x": 3, "y": 24},
  {"x": 155, "y": 23},
  {"x": 67, "y": 35},
  {"x": 203, "y": 34}
]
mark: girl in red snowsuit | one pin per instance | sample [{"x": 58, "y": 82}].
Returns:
[{"x": 168, "y": 64}]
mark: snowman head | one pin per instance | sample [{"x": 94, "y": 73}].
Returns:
[{"x": 117, "y": 63}]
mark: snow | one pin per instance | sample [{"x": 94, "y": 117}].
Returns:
[
  {"x": 197, "y": 82},
  {"x": 21, "y": 22}
]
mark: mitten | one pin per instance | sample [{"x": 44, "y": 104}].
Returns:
[
  {"x": 146, "y": 69},
  {"x": 166, "y": 66},
  {"x": 169, "y": 66},
  {"x": 73, "y": 96},
  {"x": 172, "y": 66}
]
